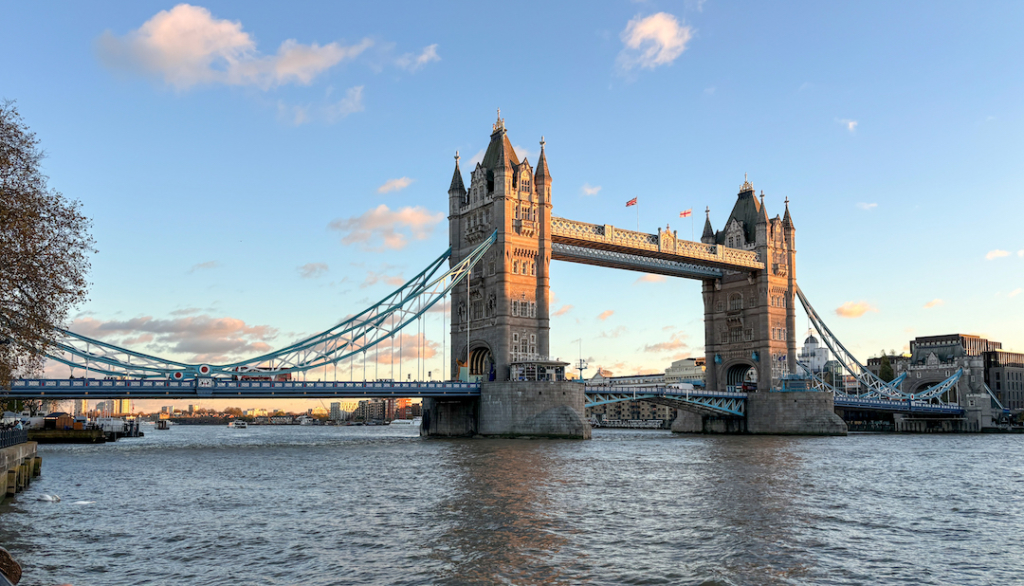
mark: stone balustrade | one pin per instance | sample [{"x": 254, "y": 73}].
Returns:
[{"x": 663, "y": 242}]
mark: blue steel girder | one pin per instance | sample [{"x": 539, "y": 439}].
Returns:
[
  {"x": 209, "y": 388},
  {"x": 719, "y": 403},
  {"x": 896, "y": 406},
  {"x": 351, "y": 337},
  {"x": 632, "y": 262},
  {"x": 871, "y": 385}
]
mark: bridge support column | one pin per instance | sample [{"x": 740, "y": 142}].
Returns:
[
  {"x": 797, "y": 413},
  {"x": 533, "y": 409},
  {"x": 693, "y": 422},
  {"x": 449, "y": 418}
]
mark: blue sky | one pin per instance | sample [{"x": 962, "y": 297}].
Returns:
[{"x": 215, "y": 145}]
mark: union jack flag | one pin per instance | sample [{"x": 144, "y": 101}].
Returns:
[{"x": 631, "y": 202}]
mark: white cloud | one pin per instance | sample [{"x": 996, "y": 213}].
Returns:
[
  {"x": 523, "y": 152},
  {"x": 605, "y": 314},
  {"x": 374, "y": 277},
  {"x": 478, "y": 158},
  {"x": 651, "y": 279},
  {"x": 312, "y": 270},
  {"x": 867, "y": 206},
  {"x": 934, "y": 303},
  {"x": 1015, "y": 292},
  {"x": 853, "y": 309},
  {"x": 589, "y": 189},
  {"x": 994, "y": 254},
  {"x": 562, "y": 310},
  {"x": 413, "y": 62},
  {"x": 653, "y": 41},
  {"x": 187, "y": 46},
  {"x": 850, "y": 125},
  {"x": 385, "y": 226},
  {"x": 350, "y": 104},
  {"x": 204, "y": 338},
  {"x": 210, "y": 264},
  {"x": 1020, "y": 253},
  {"x": 675, "y": 343},
  {"x": 394, "y": 185}
]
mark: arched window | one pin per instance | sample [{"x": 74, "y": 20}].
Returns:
[
  {"x": 515, "y": 267},
  {"x": 735, "y": 302},
  {"x": 533, "y": 268}
]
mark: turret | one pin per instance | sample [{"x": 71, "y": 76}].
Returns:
[
  {"x": 708, "y": 237},
  {"x": 761, "y": 226},
  {"x": 457, "y": 190},
  {"x": 542, "y": 177}
]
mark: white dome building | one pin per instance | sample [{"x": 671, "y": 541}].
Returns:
[{"x": 813, "y": 355}]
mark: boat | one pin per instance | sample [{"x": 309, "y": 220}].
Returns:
[
  {"x": 163, "y": 424},
  {"x": 413, "y": 421},
  {"x": 238, "y": 425}
]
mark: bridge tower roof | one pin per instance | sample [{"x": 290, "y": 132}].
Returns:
[
  {"x": 457, "y": 185},
  {"x": 499, "y": 151},
  {"x": 747, "y": 210}
]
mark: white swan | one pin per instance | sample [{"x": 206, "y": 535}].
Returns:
[{"x": 48, "y": 498}]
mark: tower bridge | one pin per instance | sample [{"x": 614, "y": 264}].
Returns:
[{"x": 503, "y": 239}]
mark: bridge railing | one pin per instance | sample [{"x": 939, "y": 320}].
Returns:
[
  {"x": 13, "y": 437},
  {"x": 223, "y": 383}
]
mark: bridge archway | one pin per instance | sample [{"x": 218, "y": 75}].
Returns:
[
  {"x": 481, "y": 363},
  {"x": 740, "y": 374}
]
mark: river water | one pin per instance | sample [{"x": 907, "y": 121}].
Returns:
[{"x": 336, "y": 505}]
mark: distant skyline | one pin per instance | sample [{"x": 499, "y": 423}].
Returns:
[{"x": 255, "y": 173}]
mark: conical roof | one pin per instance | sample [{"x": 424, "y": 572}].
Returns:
[
  {"x": 542, "y": 171},
  {"x": 457, "y": 185},
  {"x": 709, "y": 232}
]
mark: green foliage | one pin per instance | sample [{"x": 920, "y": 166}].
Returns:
[
  {"x": 885, "y": 371},
  {"x": 44, "y": 252}
]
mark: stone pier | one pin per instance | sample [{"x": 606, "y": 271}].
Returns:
[
  {"x": 773, "y": 413},
  {"x": 18, "y": 465},
  {"x": 535, "y": 409}
]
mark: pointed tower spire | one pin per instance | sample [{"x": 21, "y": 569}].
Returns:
[
  {"x": 762, "y": 214},
  {"x": 708, "y": 237},
  {"x": 457, "y": 187},
  {"x": 542, "y": 176},
  {"x": 542, "y": 164},
  {"x": 787, "y": 220}
]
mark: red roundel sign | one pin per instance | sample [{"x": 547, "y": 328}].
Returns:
[
  {"x": 204, "y": 369},
  {"x": 178, "y": 376}
]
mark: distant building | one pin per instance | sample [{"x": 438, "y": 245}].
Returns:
[
  {"x": 318, "y": 411},
  {"x": 629, "y": 409},
  {"x": 81, "y": 407},
  {"x": 336, "y": 412},
  {"x": 192, "y": 409},
  {"x": 688, "y": 370},
  {"x": 370, "y": 410},
  {"x": 1004, "y": 374},
  {"x": 255, "y": 413},
  {"x": 926, "y": 350},
  {"x": 121, "y": 406},
  {"x": 398, "y": 408},
  {"x": 813, "y": 355}
]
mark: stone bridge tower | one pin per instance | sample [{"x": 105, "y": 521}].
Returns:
[
  {"x": 506, "y": 310},
  {"x": 750, "y": 318}
]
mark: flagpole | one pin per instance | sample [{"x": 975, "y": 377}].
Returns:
[{"x": 638, "y": 215}]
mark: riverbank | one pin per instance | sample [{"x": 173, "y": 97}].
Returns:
[{"x": 18, "y": 465}]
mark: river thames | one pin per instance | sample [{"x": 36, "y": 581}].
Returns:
[{"x": 337, "y": 505}]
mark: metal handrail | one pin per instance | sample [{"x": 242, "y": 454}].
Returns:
[{"x": 13, "y": 437}]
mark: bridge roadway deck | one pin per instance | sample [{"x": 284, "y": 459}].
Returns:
[
  {"x": 227, "y": 389},
  {"x": 662, "y": 253},
  {"x": 887, "y": 406}
]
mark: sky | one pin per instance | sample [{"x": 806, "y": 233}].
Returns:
[{"x": 257, "y": 172}]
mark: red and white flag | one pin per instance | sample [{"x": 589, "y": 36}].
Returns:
[
  {"x": 686, "y": 214},
  {"x": 631, "y": 202}
]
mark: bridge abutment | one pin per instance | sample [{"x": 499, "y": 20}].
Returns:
[
  {"x": 692, "y": 422},
  {"x": 533, "y": 409},
  {"x": 795, "y": 413},
  {"x": 449, "y": 418}
]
